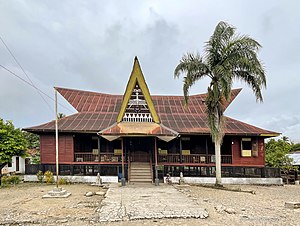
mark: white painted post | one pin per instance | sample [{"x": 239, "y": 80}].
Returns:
[{"x": 56, "y": 137}]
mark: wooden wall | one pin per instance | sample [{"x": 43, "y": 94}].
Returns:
[
  {"x": 65, "y": 147},
  {"x": 238, "y": 160}
]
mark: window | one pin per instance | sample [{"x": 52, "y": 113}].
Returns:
[
  {"x": 246, "y": 147},
  {"x": 186, "y": 145},
  {"x": 117, "y": 144}
]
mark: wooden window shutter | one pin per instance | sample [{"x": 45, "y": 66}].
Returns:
[{"x": 255, "y": 147}]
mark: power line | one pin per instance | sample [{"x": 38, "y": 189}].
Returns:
[
  {"x": 25, "y": 73},
  {"x": 19, "y": 77}
]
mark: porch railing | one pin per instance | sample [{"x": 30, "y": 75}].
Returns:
[
  {"x": 90, "y": 157},
  {"x": 194, "y": 158}
]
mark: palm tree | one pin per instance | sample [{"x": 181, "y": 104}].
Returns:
[{"x": 227, "y": 57}]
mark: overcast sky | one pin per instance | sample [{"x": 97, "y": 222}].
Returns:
[{"x": 90, "y": 45}]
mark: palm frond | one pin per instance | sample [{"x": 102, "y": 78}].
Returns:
[{"x": 193, "y": 68}]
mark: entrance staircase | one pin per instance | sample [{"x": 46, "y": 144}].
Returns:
[{"x": 140, "y": 172}]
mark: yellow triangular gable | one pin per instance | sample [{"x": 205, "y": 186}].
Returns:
[{"x": 137, "y": 77}]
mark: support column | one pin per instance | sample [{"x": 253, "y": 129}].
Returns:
[
  {"x": 99, "y": 156},
  {"x": 180, "y": 149},
  {"x": 123, "y": 180},
  {"x": 181, "y": 158},
  {"x": 206, "y": 151},
  {"x": 156, "y": 166}
]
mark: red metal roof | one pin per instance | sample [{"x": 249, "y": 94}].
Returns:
[{"x": 98, "y": 111}]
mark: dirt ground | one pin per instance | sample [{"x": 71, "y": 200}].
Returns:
[{"x": 23, "y": 205}]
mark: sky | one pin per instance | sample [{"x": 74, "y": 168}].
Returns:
[{"x": 91, "y": 45}]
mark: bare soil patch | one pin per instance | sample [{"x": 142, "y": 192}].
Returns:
[{"x": 24, "y": 205}]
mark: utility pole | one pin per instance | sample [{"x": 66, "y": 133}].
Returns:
[{"x": 56, "y": 137}]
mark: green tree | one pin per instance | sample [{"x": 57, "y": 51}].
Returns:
[
  {"x": 12, "y": 142},
  {"x": 33, "y": 147},
  {"x": 295, "y": 147},
  {"x": 227, "y": 57},
  {"x": 276, "y": 151},
  {"x": 60, "y": 115},
  {"x": 276, "y": 155}
]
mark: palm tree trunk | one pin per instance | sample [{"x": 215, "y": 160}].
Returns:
[{"x": 218, "y": 162}]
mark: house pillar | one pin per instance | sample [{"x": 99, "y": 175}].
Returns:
[
  {"x": 99, "y": 148},
  {"x": 180, "y": 149},
  {"x": 206, "y": 151},
  {"x": 123, "y": 180},
  {"x": 156, "y": 166}
]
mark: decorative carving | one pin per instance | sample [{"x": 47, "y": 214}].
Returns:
[{"x": 137, "y": 109}]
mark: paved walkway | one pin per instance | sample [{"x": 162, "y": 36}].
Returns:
[{"x": 146, "y": 201}]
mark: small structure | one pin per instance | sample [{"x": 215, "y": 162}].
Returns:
[
  {"x": 57, "y": 193},
  {"x": 17, "y": 165}
]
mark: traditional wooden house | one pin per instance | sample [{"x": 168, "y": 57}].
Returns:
[{"x": 135, "y": 133}]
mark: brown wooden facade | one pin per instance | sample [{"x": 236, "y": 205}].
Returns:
[{"x": 192, "y": 150}]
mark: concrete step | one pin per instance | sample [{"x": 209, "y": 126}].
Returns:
[
  {"x": 140, "y": 172},
  {"x": 141, "y": 180},
  {"x": 139, "y": 167},
  {"x": 140, "y": 164}
]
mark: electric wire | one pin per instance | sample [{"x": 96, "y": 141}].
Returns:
[
  {"x": 19, "y": 77},
  {"x": 7, "y": 48}
]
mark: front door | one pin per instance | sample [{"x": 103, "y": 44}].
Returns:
[{"x": 139, "y": 148}]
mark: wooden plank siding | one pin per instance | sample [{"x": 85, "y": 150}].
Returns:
[
  {"x": 65, "y": 147},
  {"x": 238, "y": 160}
]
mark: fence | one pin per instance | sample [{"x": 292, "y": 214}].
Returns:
[
  {"x": 228, "y": 171},
  {"x": 76, "y": 169}
]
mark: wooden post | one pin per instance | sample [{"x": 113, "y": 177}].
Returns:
[
  {"x": 206, "y": 150},
  {"x": 156, "y": 165},
  {"x": 123, "y": 181},
  {"x": 180, "y": 149},
  {"x": 99, "y": 149},
  {"x": 56, "y": 137}
]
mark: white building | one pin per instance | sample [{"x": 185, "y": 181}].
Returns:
[{"x": 17, "y": 165}]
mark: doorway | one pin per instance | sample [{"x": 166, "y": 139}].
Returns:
[{"x": 139, "y": 149}]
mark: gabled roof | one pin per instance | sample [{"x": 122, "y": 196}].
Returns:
[
  {"x": 101, "y": 112},
  {"x": 137, "y": 77},
  {"x": 98, "y": 111}
]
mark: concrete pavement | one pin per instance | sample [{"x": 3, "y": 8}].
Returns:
[{"x": 146, "y": 201}]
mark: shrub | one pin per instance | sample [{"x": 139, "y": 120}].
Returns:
[
  {"x": 49, "y": 177},
  {"x": 14, "y": 179},
  {"x": 62, "y": 181},
  {"x": 6, "y": 180},
  {"x": 40, "y": 176}
]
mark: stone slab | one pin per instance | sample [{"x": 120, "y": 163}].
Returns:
[
  {"x": 57, "y": 193},
  {"x": 146, "y": 201}
]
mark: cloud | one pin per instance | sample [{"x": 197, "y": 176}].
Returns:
[{"x": 90, "y": 45}]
